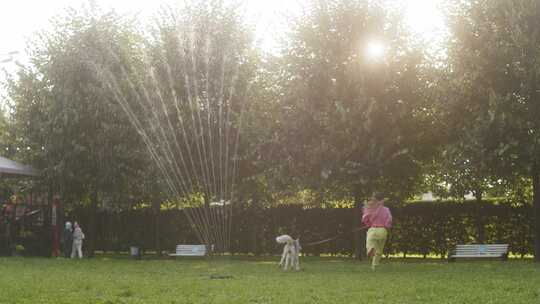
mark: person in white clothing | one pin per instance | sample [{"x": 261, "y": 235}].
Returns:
[{"x": 78, "y": 237}]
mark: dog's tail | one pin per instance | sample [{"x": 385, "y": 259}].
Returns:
[{"x": 282, "y": 239}]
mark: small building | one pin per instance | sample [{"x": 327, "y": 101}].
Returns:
[
  {"x": 21, "y": 220},
  {"x": 12, "y": 168}
]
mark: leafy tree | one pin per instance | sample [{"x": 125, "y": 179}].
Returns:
[
  {"x": 187, "y": 106},
  {"x": 493, "y": 58},
  {"x": 85, "y": 144},
  {"x": 350, "y": 122}
]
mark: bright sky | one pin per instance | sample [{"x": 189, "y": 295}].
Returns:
[{"x": 19, "y": 19}]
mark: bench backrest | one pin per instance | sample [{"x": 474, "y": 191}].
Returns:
[
  {"x": 482, "y": 249},
  {"x": 194, "y": 250}
]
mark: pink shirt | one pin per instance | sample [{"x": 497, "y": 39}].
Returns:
[{"x": 380, "y": 217}]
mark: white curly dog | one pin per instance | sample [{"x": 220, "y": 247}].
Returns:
[{"x": 291, "y": 252}]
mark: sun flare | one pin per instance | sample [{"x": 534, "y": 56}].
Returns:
[
  {"x": 375, "y": 49},
  {"x": 425, "y": 17}
]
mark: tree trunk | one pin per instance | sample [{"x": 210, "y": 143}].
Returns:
[
  {"x": 156, "y": 206},
  {"x": 92, "y": 225},
  {"x": 536, "y": 207},
  {"x": 212, "y": 240},
  {"x": 480, "y": 227},
  {"x": 359, "y": 237},
  {"x": 47, "y": 222},
  {"x": 254, "y": 245},
  {"x": 8, "y": 243}
]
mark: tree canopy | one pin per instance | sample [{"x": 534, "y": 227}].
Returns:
[{"x": 190, "y": 109}]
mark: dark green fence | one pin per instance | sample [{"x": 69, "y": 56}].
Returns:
[{"x": 420, "y": 228}]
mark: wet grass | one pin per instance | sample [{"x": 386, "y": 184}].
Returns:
[{"x": 258, "y": 280}]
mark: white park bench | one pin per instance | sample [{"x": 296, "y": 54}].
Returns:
[
  {"x": 480, "y": 251},
  {"x": 190, "y": 250}
]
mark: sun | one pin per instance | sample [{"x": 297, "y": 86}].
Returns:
[{"x": 375, "y": 49}]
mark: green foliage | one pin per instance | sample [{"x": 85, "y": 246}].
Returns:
[
  {"x": 493, "y": 60},
  {"x": 114, "y": 115},
  {"x": 347, "y": 121},
  {"x": 80, "y": 138},
  {"x": 200, "y": 65}
]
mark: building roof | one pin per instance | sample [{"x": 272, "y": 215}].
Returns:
[{"x": 10, "y": 167}]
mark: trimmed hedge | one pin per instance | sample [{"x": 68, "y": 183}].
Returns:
[{"x": 420, "y": 228}]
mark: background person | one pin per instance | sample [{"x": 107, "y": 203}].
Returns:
[
  {"x": 67, "y": 239},
  {"x": 78, "y": 237}
]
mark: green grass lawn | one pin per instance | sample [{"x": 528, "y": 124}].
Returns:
[{"x": 258, "y": 280}]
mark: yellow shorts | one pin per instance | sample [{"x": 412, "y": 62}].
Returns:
[{"x": 376, "y": 239}]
